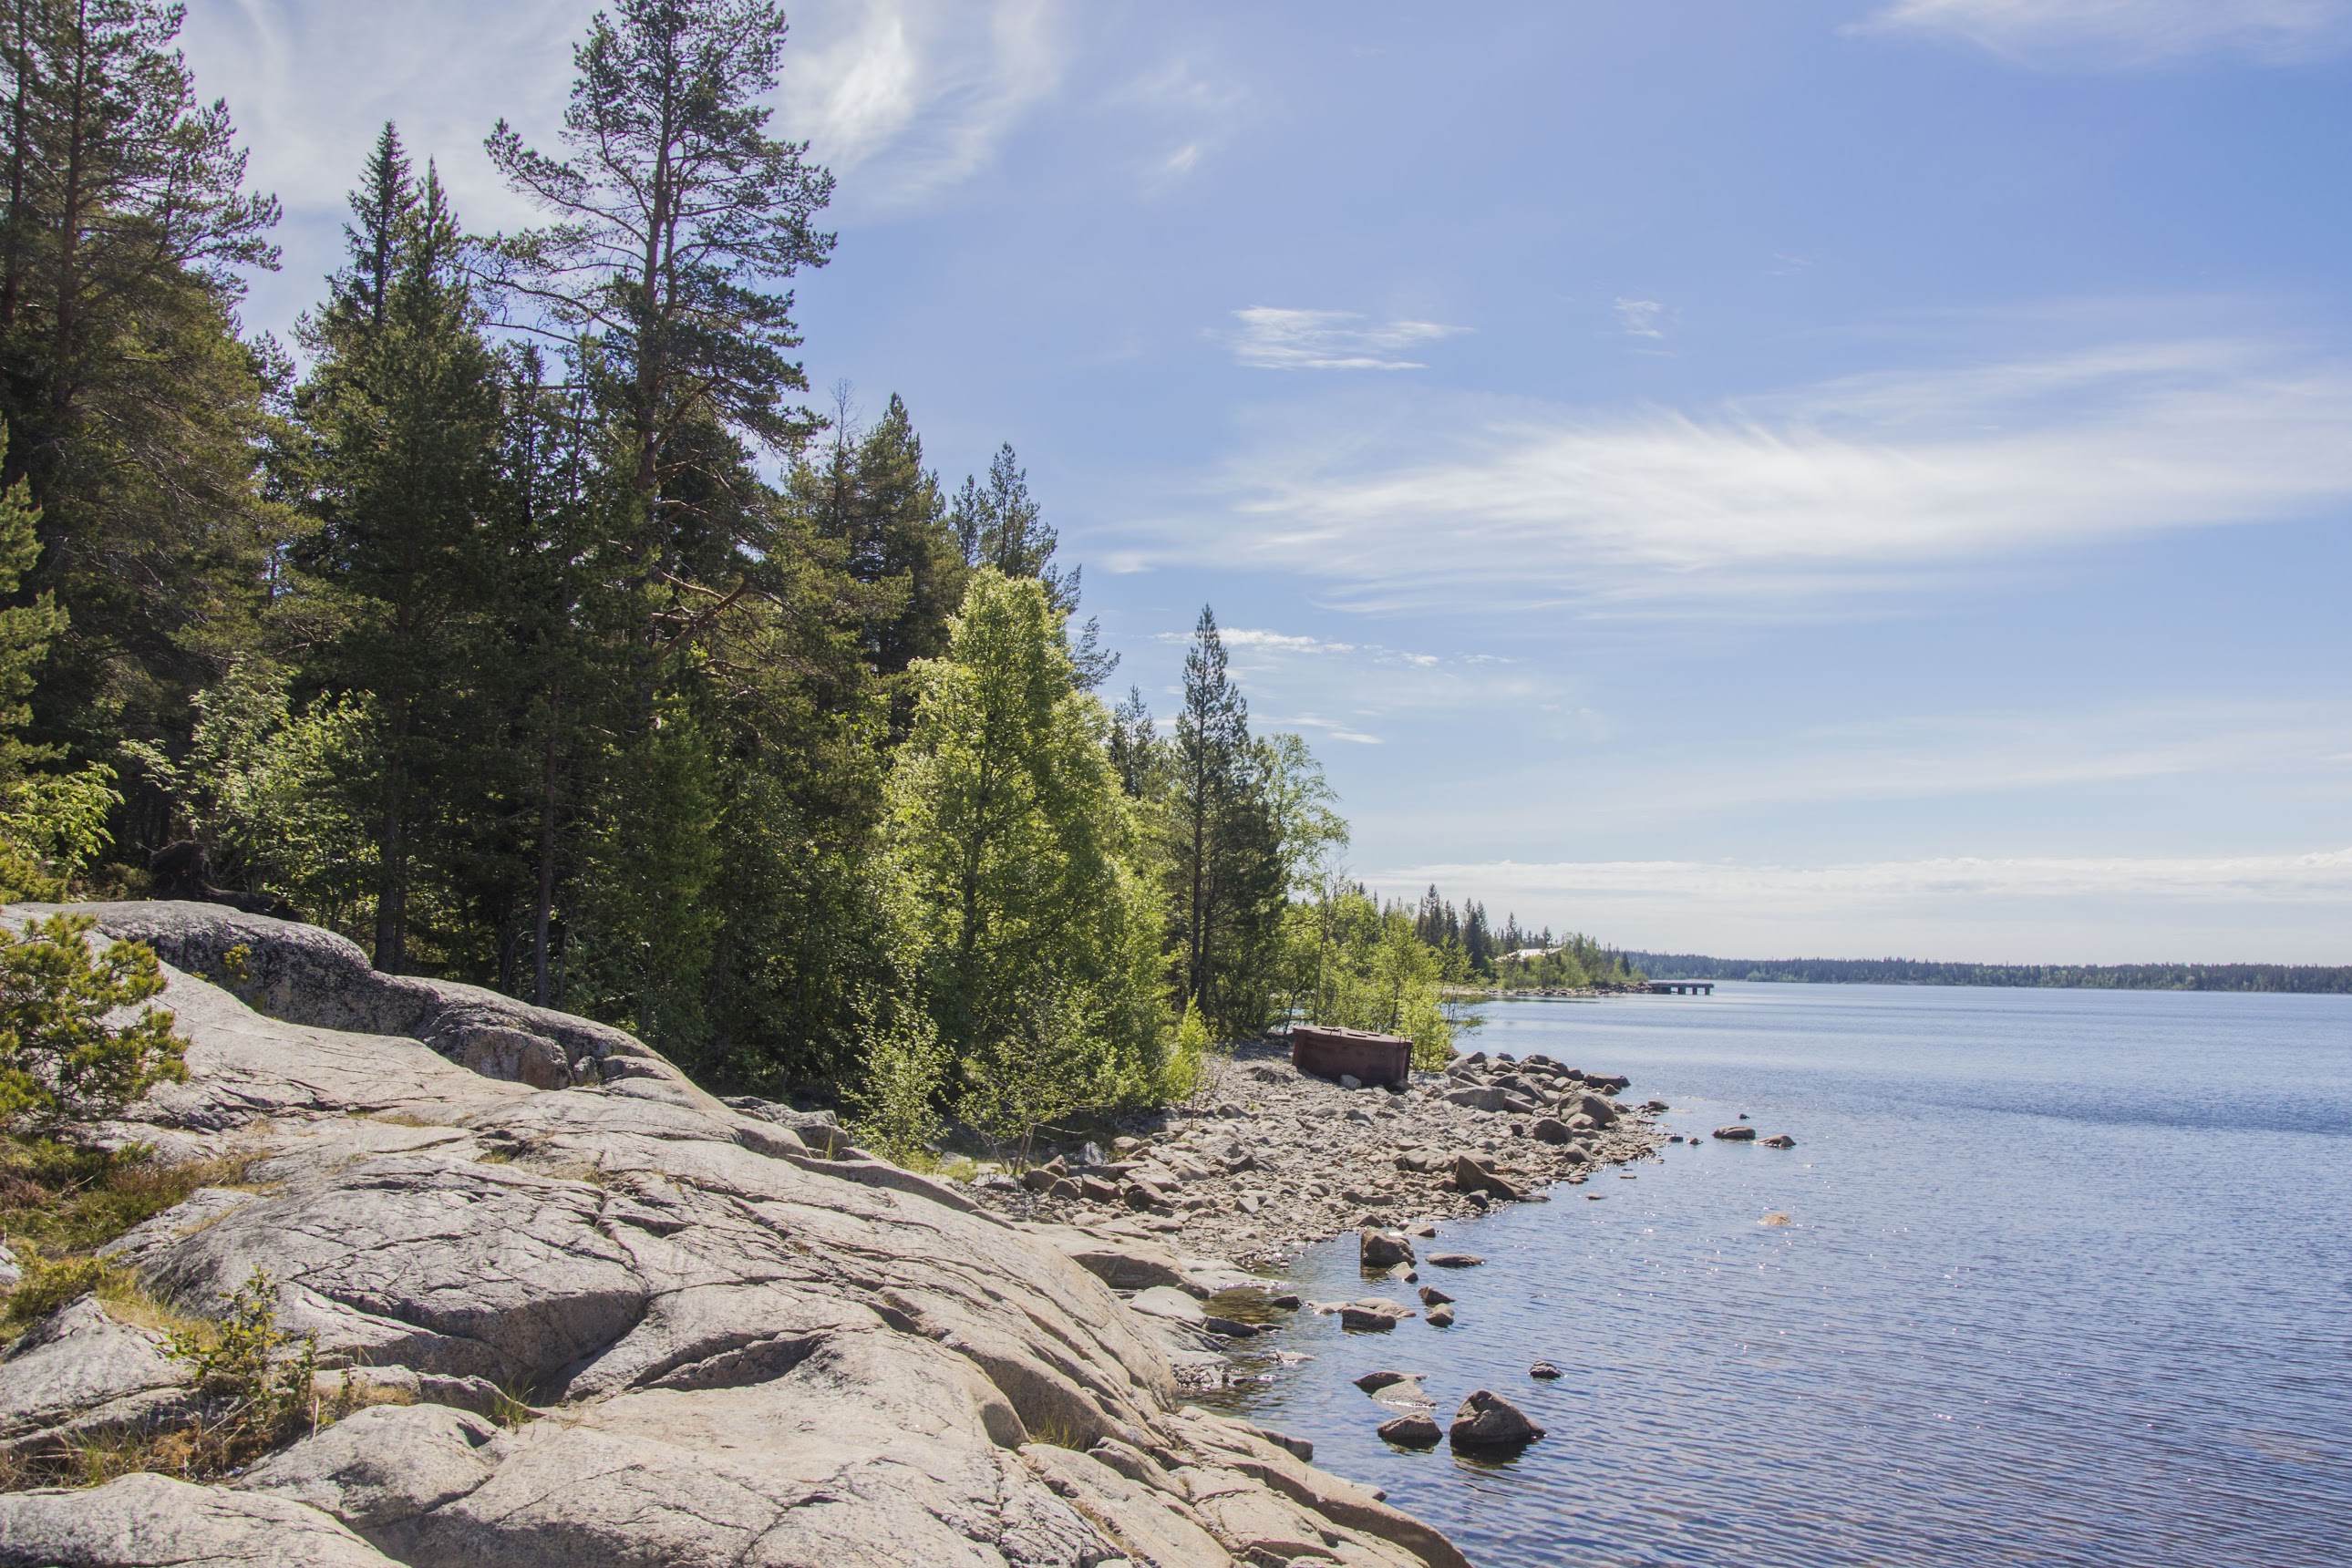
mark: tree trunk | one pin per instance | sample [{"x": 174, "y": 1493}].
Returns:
[
  {"x": 544, "y": 909},
  {"x": 392, "y": 876}
]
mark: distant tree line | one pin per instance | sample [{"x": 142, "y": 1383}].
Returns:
[{"x": 2316, "y": 978}]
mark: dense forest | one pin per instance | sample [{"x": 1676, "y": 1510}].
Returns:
[
  {"x": 2308, "y": 977},
  {"x": 520, "y": 619}
]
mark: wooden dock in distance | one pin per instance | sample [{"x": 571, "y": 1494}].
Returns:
[{"x": 1681, "y": 987}]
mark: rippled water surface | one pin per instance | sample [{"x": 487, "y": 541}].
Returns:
[{"x": 2068, "y": 1280}]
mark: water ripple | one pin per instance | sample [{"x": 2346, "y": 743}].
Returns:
[{"x": 2068, "y": 1282}]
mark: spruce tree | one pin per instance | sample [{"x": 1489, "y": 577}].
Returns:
[{"x": 404, "y": 408}]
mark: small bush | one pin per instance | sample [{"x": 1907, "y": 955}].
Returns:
[
  {"x": 257, "y": 1378},
  {"x": 894, "y": 1104},
  {"x": 1187, "y": 1069},
  {"x": 49, "y": 1283},
  {"x": 60, "y": 1060}
]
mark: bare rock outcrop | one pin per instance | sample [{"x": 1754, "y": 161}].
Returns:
[{"x": 738, "y": 1348}]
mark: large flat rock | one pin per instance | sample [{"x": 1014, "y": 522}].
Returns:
[{"x": 743, "y": 1352}]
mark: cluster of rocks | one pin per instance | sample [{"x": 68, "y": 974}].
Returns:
[
  {"x": 1740, "y": 1132},
  {"x": 737, "y": 1344},
  {"x": 1485, "y": 1422},
  {"x": 1270, "y": 1159}
]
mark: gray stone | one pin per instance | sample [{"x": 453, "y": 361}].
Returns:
[
  {"x": 1597, "y": 1107},
  {"x": 1376, "y": 1248},
  {"x": 153, "y": 1522},
  {"x": 80, "y": 1372},
  {"x": 1455, "y": 1259},
  {"x": 1488, "y": 1420},
  {"x": 1164, "y": 1301},
  {"x": 1778, "y": 1141},
  {"x": 1372, "y": 1314},
  {"x": 380, "y": 1470},
  {"x": 1737, "y": 1132},
  {"x": 1411, "y": 1431},
  {"x": 1550, "y": 1130}
]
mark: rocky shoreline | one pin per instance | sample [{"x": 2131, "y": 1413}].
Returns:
[
  {"x": 1267, "y": 1160},
  {"x": 613, "y": 1320}
]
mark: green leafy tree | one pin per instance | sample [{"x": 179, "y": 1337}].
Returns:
[
  {"x": 276, "y": 794},
  {"x": 61, "y": 1061},
  {"x": 1000, "y": 524},
  {"x": 1355, "y": 966},
  {"x": 1030, "y": 936}
]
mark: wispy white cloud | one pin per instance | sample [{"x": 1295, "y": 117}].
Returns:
[
  {"x": 917, "y": 95},
  {"x": 1864, "y": 482},
  {"x": 1330, "y": 729},
  {"x": 1256, "y": 639},
  {"x": 2126, "y": 33},
  {"x": 1641, "y": 318},
  {"x": 311, "y": 84},
  {"x": 1271, "y": 338},
  {"x": 1950, "y": 756}
]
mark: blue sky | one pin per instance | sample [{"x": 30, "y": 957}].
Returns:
[{"x": 1759, "y": 477}]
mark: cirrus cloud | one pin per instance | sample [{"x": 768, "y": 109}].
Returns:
[
  {"x": 1858, "y": 483},
  {"x": 2113, "y": 33},
  {"x": 1271, "y": 338}
]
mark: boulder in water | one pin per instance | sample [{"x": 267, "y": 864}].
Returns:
[{"x": 1488, "y": 1420}]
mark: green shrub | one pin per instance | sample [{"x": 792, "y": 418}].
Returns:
[
  {"x": 257, "y": 1378},
  {"x": 60, "y": 1060}
]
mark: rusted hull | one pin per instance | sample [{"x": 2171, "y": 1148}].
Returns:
[{"x": 1367, "y": 1057}]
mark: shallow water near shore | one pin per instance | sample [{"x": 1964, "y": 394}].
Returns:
[{"x": 2067, "y": 1279}]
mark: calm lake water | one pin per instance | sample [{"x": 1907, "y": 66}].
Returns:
[{"x": 2068, "y": 1280}]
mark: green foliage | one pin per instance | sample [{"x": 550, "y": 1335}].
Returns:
[
  {"x": 60, "y": 1060},
  {"x": 904, "y": 1073},
  {"x": 135, "y": 414},
  {"x": 1577, "y": 963},
  {"x": 646, "y": 934},
  {"x": 1196, "y": 1051},
  {"x": 46, "y": 1283},
  {"x": 1029, "y": 934},
  {"x": 272, "y": 790},
  {"x": 257, "y": 1378},
  {"x": 52, "y": 825},
  {"x": 1357, "y": 966}
]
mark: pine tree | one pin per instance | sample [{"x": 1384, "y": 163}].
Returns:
[
  {"x": 405, "y": 408},
  {"x": 135, "y": 413},
  {"x": 870, "y": 493},
  {"x": 1228, "y": 874},
  {"x": 677, "y": 221}
]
